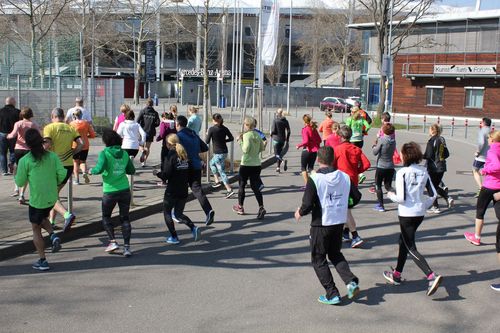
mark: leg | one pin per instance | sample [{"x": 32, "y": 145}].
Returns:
[
  {"x": 319, "y": 246},
  {"x": 108, "y": 204},
  {"x": 76, "y": 169},
  {"x": 124, "y": 208},
  {"x": 409, "y": 226},
  {"x": 179, "y": 213},
  {"x": 337, "y": 258},
  {"x": 146, "y": 152},
  {"x": 388, "y": 176},
  {"x": 220, "y": 166},
  {"x": 304, "y": 156},
  {"x": 379, "y": 176},
  {"x": 483, "y": 201},
  {"x": 4, "y": 146},
  {"x": 244, "y": 175},
  {"x": 195, "y": 184},
  {"x": 213, "y": 168},
  {"x": 477, "y": 177},
  {"x": 255, "y": 183},
  {"x": 168, "y": 204},
  {"x": 38, "y": 240}
]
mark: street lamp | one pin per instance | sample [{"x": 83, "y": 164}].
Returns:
[
  {"x": 388, "y": 60},
  {"x": 177, "y": 50}
]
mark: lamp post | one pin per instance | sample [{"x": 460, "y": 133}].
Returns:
[
  {"x": 289, "y": 60},
  {"x": 177, "y": 50},
  {"x": 388, "y": 60}
]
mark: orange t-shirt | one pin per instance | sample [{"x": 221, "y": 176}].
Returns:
[
  {"x": 326, "y": 127},
  {"x": 85, "y": 130}
]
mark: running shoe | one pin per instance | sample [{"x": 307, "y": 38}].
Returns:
[
  {"x": 210, "y": 217},
  {"x": 173, "y": 240},
  {"x": 41, "y": 265},
  {"x": 434, "y": 210},
  {"x": 392, "y": 278},
  {"x": 357, "y": 242},
  {"x": 56, "y": 243},
  {"x": 362, "y": 178},
  {"x": 21, "y": 200},
  {"x": 372, "y": 190},
  {"x": 76, "y": 182},
  {"x": 112, "y": 246},
  {"x": 142, "y": 159},
  {"x": 143, "y": 164},
  {"x": 68, "y": 221},
  {"x": 126, "y": 251},
  {"x": 333, "y": 301},
  {"x": 86, "y": 178},
  {"x": 238, "y": 209},
  {"x": 216, "y": 185},
  {"x": 261, "y": 187},
  {"x": 54, "y": 226},
  {"x": 379, "y": 208},
  {"x": 471, "y": 237},
  {"x": 229, "y": 194},
  {"x": 285, "y": 165},
  {"x": 262, "y": 213},
  {"x": 451, "y": 202},
  {"x": 278, "y": 170},
  {"x": 495, "y": 286},
  {"x": 352, "y": 290},
  {"x": 445, "y": 189},
  {"x": 345, "y": 237},
  {"x": 196, "y": 233},
  {"x": 434, "y": 283}
]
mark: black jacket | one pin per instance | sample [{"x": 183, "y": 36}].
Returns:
[
  {"x": 149, "y": 120},
  {"x": 280, "y": 130},
  {"x": 220, "y": 135},
  {"x": 436, "y": 153},
  {"x": 175, "y": 173},
  {"x": 9, "y": 115}
]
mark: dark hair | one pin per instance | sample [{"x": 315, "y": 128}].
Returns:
[
  {"x": 325, "y": 155},
  {"x": 58, "y": 113},
  {"x": 388, "y": 129},
  {"x": 182, "y": 121},
  {"x": 26, "y": 113},
  {"x": 34, "y": 141},
  {"x": 411, "y": 153},
  {"x": 345, "y": 132},
  {"x": 386, "y": 116},
  {"x": 217, "y": 117},
  {"x": 130, "y": 115},
  {"x": 486, "y": 121},
  {"x": 111, "y": 138},
  {"x": 149, "y": 102}
]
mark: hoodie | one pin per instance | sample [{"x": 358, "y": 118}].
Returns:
[
  {"x": 280, "y": 130},
  {"x": 350, "y": 159},
  {"x": 491, "y": 168},
  {"x": 310, "y": 139},
  {"x": 358, "y": 127},
  {"x": 327, "y": 197},
  {"x": 149, "y": 120},
  {"x": 132, "y": 133},
  {"x": 251, "y": 145},
  {"x": 191, "y": 142},
  {"x": 384, "y": 150},
  {"x": 114, "y": 164}
]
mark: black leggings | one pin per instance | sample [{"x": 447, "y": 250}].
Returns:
[
  {"x": 178, "y": 204},
  {"x": 307, "y": 160},
  {"x": 483, "y": 201},
  {"x": 109, "y": 201},
  {"x": 409, "y": 226},
  {"x": 385, "y": 176},
  {"x": 436, "y": 178},
  {"x": 497, "y": 213},
  {"x": 252, "y": 173}
]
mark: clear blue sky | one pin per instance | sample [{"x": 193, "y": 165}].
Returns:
[{"x": 485, "y": 4}]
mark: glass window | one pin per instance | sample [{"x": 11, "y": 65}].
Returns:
[
  {"x": 435, "y": 96},
  {"x": 474, "y": 97}
]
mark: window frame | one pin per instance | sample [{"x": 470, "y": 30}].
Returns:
[
  {"x": 432, "y": 88},
  {"x": 472, "y": 88}
]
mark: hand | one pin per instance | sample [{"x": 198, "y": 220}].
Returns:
[
  {"x": 496, "y": 196},
  {"x": 155, "y": 172},
  {"x": 476, "y": 154},
  {"x": 297, "y": 147},
  {"x": 298, "y": 216},
  {"x": 390, "y": 193}
]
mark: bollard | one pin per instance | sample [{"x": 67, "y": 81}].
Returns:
[
  {"x": 492, "y": 127},
  {"x": 312, "y": 113},
  {"x": 452, "y": 125},
  {"x": 270, "y": 129},
  {"x": 466, "y": 127},
  {"x": 408, "y": 122},
  {"x": 439, "y": 121},
  {"x": 231, "y": 157},
  {"x": 425, "y": 120}
]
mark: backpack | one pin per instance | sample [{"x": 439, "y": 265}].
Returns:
[{"x": 441, "y": 153}]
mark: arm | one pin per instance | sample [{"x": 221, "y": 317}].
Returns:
[
  {"x": 308, "y": 198},
  {"x": 100, "y": 165},
  {"x": 399, "y": 196},
  {"x": 321, "y": 126},
  {"x": 115, "y": 124},
  {"x": 163, "y": 129},
  {"x": 287, "y": 127},
  {"x": 167, "y": 169},
  {"x": 480, "y": 142},
  {"x": 365, "y": 163},
  {"x": 376, "y": 148},
  {"x": 208, "y": 137},
  {"x": 245, "y": 145},
  {"x": 91, "y": 132},
  {"x": 274, "y": 129},
  {"x": 21, "y": 177},
  {"x": 367, "y": 126},
  {"x": 140, "y": 119},
  {"x": 229, "y": 135},
  {"x": 157, "y": 119},
  {"x": 492, "y": 165},
  {"x": 305, "y": 138},
  {"x": 430, "y": 200},
  {"x": 13, "y": 134},
  {"x": 79, "y": 145},
  {"x": 120, "y": 129},
  {"x": 142, "y": 141},
  {"x": 429, "y": 151},
  {"x": 130, "y": 169}
]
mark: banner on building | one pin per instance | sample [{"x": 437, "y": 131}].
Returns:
[
  {"x": 269, "y": 30},
  {"x": 465, "y": 69}
]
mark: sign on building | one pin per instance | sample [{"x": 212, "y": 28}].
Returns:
[
  {"x": 465, "y": 69},
  {"x": 150, "y": 54}
]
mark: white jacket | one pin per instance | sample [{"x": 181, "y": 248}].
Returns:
[
  {"x": 132, "y": 133},
  {"x": 333, "y": 193},
  {"x": 410, "y": 185}
]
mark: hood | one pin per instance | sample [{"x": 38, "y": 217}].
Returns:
[
  {"x": 115, "y": 151},
  {"x": 188, "y": 132},
  {"x": 388, "y": 139},
  {"x": 329, "y": 175}
]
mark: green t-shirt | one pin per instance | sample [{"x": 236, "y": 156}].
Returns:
[
  {"x": 62, "y": 136},
  {"x": 43, "y": 178},
  {"x": 251, "y": 145},
  {"x": 114, "y": 164}
]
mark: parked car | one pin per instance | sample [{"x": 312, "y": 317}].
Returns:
[
  {"x": 335, "y": 104},
  {"x": 352, "y": 100}
]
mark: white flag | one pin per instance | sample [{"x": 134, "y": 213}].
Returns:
[{"x": 270, "y": 22}]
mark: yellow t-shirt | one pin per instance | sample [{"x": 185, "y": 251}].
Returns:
[{"x": 62, "y": 136}]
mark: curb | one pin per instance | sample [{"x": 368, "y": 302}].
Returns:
[{"x": 91, "y": 223}]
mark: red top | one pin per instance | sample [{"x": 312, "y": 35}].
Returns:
[
  {"x": 333, "y": 140},
  {"x": 310, "y": 139},
  {"x": 351, "y": 160}
]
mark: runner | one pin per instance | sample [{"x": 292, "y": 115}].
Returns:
[
  {"x": 132, "y": 133},
  {"x": 167, "y": 127},
  {"x": 491, "y": 185},
  {"x": 281, "y": 137},
  {"x": 359, "y": 127},
  {"x": 114, "y": 164},
  {"x": 250, "y": 167},
  {"x": 326, "y": 197},
  {"x": 351, "y": 160},
  {"x": 334, "y": 139},
  {"x": 86, "y": 115},
  {"x": 21, "y": 148},
  {"x": 175, "y": 173},
  {"x": 43, "y": 171},
  {"x": 325, "y": 128},
  {"x": 482, "y": 150},
  {"x": 59, "y": 137},
  {"x": 124, "y": 108},
  {"x": 220, "y": 135},
  {"x": 9, "y": 115},
  {"x": 436, "y": 154},
  {"x": 310, "y": 145},
  {"x": 149, "y": 120},
  {"x": 496, "y": 286},
  {"x": 386, "y": 119},
  {"x": 410, "y": 183},
  {"x": 86, "y": 131},
  {"x": 194, "y": 120},
  {"x": 384, "y": 150}
]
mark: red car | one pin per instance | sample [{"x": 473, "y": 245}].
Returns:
[{"x": 335, "y": 104}]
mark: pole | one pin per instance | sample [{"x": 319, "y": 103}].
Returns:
[
  {"x": 240, "y": 70},
  {"x": 177, "y": 53},
  {"x": 289, "y": 60},
  {"x": 389, "y": 56},
  {"x": 232, "y": 62}
]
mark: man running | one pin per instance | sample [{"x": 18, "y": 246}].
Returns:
[
  {"x": 9, "y": 115},
  {"x": 149, "y": 121},
  {"x": 281, "y": 136}
]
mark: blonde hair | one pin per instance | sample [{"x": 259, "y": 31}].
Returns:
[
  {"x": 193, "y": 109},
  {"x": 335, "y": 126},
  {"x": 495, "y": 136},
  {"x": 124, "y": 108},
  {"x": 356, "y": 114},
  {"x": 308, "y": 121},
  {"x": 250, "y": 122},
  {"x": 436, "y": 129},
  {"x": 173, "y": 140}
]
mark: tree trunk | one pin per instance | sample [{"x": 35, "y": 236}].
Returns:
[
  {"x": 137, "y": 74},
  {"x": 381, "y": 102},
  {"x": 206, "y": 99},
  {"x": 33, "y": 56}
]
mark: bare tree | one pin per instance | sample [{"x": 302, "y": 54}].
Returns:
[{"x": 405, "y": 13}]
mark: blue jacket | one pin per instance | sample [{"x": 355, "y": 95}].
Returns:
[{"x": 191, "y": 143}]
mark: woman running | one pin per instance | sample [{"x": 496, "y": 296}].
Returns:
[
  {"x": 43, "y": 171},
  {"x": 310, "y": 145},
  {"x": 220, "y": 135},
  {"x": 436, "y": 154},
  {"x": 21, "y": 148},
  {"x": 114, "y": 164},
  {"x": 132, "y": 133},
  {"x": 334, "y": 139},
  {"x": 491, "y": 185},
  {"x": 86, "y": 131},
  {"x": 384, "y": 150},
  {"x": 124, "y": 108},
  {"x": 359, "y": 126},
  {"x": 410, "y": 184},
  {"x": 325, "y": 128},
  {"x": 175, "y": 174},
  {"x": 167, "y": 127},
  {"x": 250, "y": 168}
]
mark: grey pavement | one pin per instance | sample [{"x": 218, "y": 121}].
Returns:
[{"x": 255, "y": 276}]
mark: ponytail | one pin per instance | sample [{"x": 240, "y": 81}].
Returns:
[
  {"x": 35, "y": 143},
  {"x": 173, "y": 140}
]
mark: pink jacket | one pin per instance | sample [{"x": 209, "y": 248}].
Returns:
[
  {"x": 491, "y": 168},
  {"x": 310, "y": 139}
]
